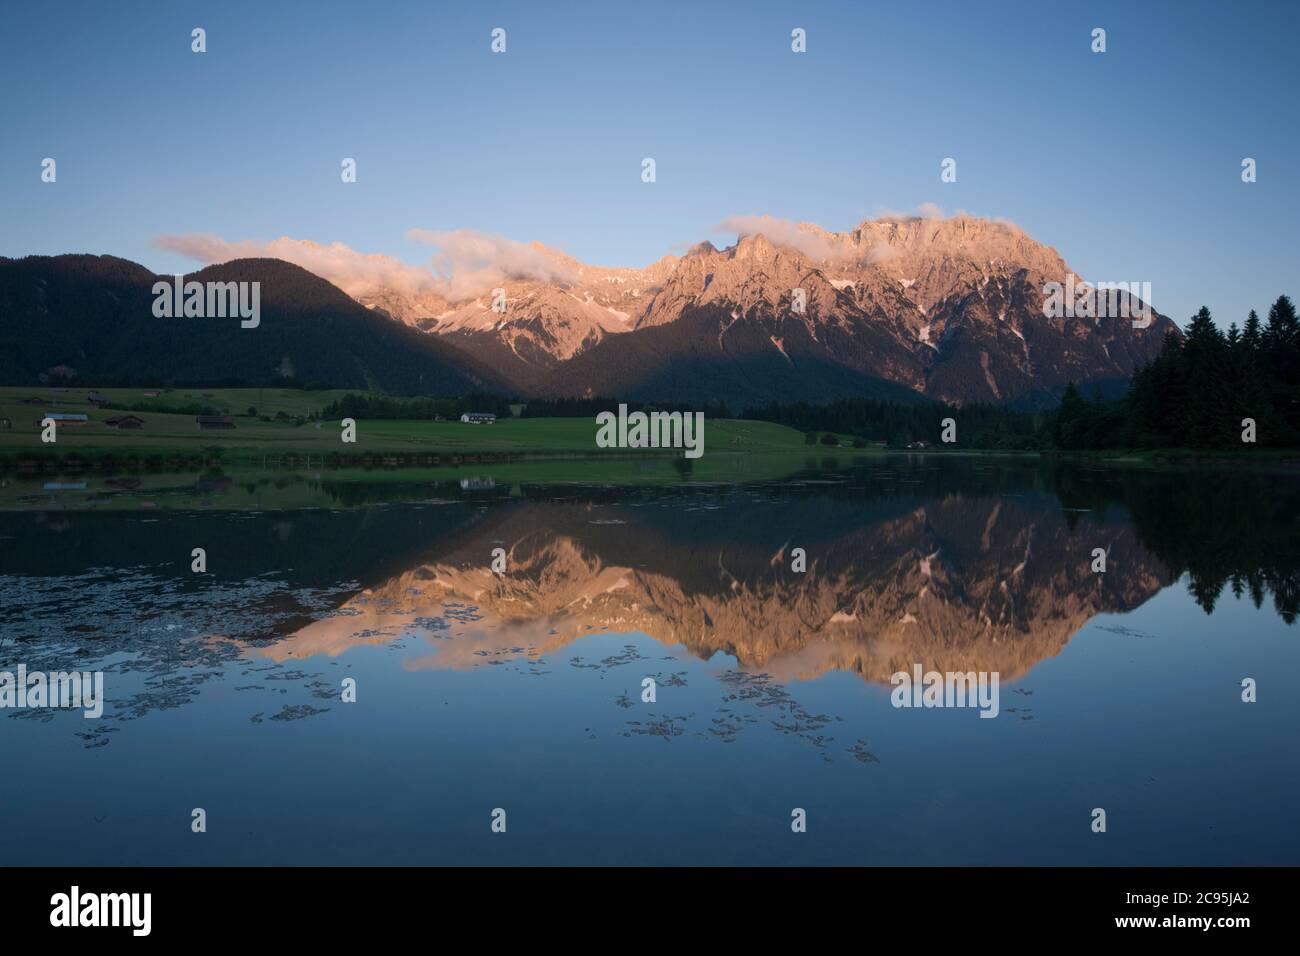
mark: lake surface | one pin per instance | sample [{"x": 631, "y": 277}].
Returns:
[{"x": 522, "y": 689}]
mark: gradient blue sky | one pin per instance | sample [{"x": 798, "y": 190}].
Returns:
[{"x": 1127, "y": 162}]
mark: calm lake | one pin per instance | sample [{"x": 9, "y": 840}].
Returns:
[{"x": 521, "y": 689}]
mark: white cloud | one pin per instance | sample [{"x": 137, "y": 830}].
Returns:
[
  {"x": 814, "y": 244},
  {"x": 356, "y": 273},
  {"x": 927, "y": 210},
  {"x": 467, "y": 264},
  {"x": 471, "y": 263}
]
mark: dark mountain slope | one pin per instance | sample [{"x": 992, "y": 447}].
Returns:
[
  {"x": 95, "y": 315},
  {"x": 707, "y": 355}
]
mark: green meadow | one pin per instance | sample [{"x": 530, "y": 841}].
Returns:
[
  {"x": 288, "y": 463},
  {"x": 169, "y": 431}
]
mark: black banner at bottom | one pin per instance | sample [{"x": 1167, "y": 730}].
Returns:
[{"x": 338, "y": 904}]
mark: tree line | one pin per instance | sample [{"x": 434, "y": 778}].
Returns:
[
  {"x": 1203, "y": 391},
  {"x": 874, "y": 420},
  {"x": 591, "y": 407},
  {"x": 383, "y": 406}
]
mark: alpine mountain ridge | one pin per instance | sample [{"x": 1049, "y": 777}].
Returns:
[{"x": 898, "y": 307}]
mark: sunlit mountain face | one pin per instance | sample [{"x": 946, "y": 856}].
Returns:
[{"x": 500, "y": 634}]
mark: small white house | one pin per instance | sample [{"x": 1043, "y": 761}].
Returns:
[{"x": 478, "y": 418}]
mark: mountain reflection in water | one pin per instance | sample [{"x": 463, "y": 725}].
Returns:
[
  {"x": 954, "y": 564},
  {"x": 956, "y": 584}
]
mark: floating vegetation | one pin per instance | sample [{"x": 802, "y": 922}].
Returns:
[
  {"x": 861, "y": 754},
  {"x": 298, "y": 712}
]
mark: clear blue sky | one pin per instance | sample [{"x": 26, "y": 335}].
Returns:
[{"x": 1127, "y": 162}]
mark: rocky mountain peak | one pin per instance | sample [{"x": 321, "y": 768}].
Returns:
[{"x": 947, "y": 307}]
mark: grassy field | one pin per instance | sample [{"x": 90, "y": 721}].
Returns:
[
  {"x": 171, "y": 463},
  {"x": 166, "y": 432},
  {"x": 229, "y": 401}
]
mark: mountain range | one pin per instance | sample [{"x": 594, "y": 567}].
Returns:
[{"x": 908, "y": 309}]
